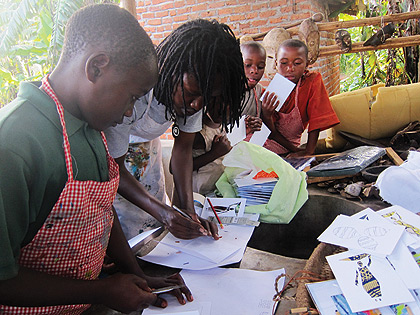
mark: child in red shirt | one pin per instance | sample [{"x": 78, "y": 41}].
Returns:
[{"x": 308, "y": 106}]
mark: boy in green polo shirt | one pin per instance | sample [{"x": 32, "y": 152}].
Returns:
[{"x": 57, "y": 180}]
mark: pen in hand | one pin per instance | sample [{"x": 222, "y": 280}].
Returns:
[{"x": 182, "y": 212}]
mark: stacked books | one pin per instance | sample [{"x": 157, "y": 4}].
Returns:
[{"x": 256, "y": 194}]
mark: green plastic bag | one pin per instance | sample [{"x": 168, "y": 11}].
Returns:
[{"x": 289, "y": 194}]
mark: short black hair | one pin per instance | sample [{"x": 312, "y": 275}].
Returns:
[
  {"x": 110, "y": 28},
  {"x": 254, "y": 45},
  {"x": 294, "y": 43},
  {"x": 208, "y": 50}
]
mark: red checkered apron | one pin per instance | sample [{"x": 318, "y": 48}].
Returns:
[{"x": 74, "y": 238}]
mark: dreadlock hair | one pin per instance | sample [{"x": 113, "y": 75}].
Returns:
[
  {"x": 111, "y": 28},
  {"x": 294, "y": 43},
  {"x": 210, "y": 51}
]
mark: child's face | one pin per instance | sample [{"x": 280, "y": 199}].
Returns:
[
  {"x": 254, "y": 64},
  {"x": 113, "y": 95},
  {"x": 192, "y": 95},
  {"x": 291, "y": 63}
]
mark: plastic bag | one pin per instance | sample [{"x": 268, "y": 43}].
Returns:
[
  {"x": 289, "y": 194},
  {"x": 400, "y": 185}
]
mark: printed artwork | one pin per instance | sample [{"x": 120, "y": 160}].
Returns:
[
  {"x": 367, "y": 281},
  {"x": 378, "y": 238},
  {"x": 405, "y": 218}
]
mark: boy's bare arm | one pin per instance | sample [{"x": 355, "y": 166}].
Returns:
[
  {"x": 132, "y": 190},
  {"x": 220, "y": 146},
  {"x": 181, "y": 167},
  {"x": 121, "y": 292},
  {"x": 312, "y": 140}
]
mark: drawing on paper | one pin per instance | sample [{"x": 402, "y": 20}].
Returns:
[
  {"x": 368, "y": 281},
  {"x": 365, "y": 241},
  {"x": 398, "y": 220}
]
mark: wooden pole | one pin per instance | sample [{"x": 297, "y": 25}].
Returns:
[
  {"x": 331, "y": 50},
  {"x": 333, "y": 26},
  {"x": 130, "y": 6}
]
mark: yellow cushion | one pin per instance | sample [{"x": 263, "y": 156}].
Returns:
[{"x": 374, "y": 112}]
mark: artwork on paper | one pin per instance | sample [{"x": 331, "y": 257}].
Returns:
[
  {"x": 403, "y": 217},
  {"x": 368, "y": 281},
  {"x": 224, "y": 207},
  {"x": 363, "y": 235},
  {"x": 372, "y": 216}
]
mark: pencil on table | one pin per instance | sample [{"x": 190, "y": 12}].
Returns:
[{"x": 215, "y": 214}]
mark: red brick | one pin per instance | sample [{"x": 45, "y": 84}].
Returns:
[
  {"x": 216, "y": 5},
  {"x": 275, "y": 21},
  {"x": 180, "y": 18},
  {"x": 161, "y": 14},
  {"x": 225, "y": 11},
  {"x": 167, "y": 20},
  {"x": 146, "y": 16},
  {"x": 258, "y": 22},
  {"x": 183, "y": 10},
  {"x": 154, "y": 21},
  {"x": 199, "y": 7},
  {"x": 167, "y": 6},
  {"x": 242, "y": 9},
  {"x": 209, "y": 14}
]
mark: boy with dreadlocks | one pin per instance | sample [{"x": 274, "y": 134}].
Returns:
[{"x": 200, "y": 67}]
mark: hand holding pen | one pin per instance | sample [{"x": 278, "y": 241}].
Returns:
[{"x": 207, "y": 228}]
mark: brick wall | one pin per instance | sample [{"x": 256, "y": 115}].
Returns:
[{"x": 160, "y": 17}]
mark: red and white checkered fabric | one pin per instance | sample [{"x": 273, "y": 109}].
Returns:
[{"x": 73, "y": 239}]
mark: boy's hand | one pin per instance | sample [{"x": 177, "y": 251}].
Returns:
[
  {"x": 175, "y": 279},
  {"x": 126, "y": 293},
  {"x": 211, "y": 228},
  {"x": 252, "y": 124},
  {"x": 220, "y": 145},
  {"x": 181, "y": 226},
  {"x": 270, "y": 103}
]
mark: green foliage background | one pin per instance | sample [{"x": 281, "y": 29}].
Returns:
[
  {"x": 31, "y": 37},
  {"x": 377, "y": 64}
]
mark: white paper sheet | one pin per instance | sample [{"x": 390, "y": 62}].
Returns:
[
  {"x": 368, "y": 281},
  {"x": 282, "y": 87},
  {"x": 230, "y": 291},
  {"x": 238, "y": 132},
  {"x": 406, "y": 267},
  {"x": 175, "y": 256},
  {"x": 249, "y": 181},
  {"x": 259, "y": 137},
  {"x": 371, "y": 237}
]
